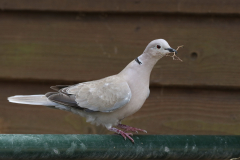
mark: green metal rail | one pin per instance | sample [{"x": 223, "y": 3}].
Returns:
[{"x": 46, "y": 146}]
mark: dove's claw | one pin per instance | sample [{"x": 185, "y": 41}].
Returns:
[
  {"x": 125, "y": 135},
  {"x": 132, "y": 129}
]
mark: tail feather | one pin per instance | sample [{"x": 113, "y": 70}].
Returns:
[{"x": 31, "y": 99}]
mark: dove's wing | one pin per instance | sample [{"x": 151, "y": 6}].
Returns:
[{"x": 104, "y": 95}]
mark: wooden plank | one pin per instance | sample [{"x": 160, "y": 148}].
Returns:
[
  {"x": 189, "y": 111},
  {"x": 124, "y": 6},
  {"x": 75, "y": 47},
  {"x": 18, "y": 118},
  {"x": 166, "y": 111}
]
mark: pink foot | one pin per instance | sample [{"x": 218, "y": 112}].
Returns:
[
  {"x": 132, "y": 129},
  {"x": 125, "y": 135}
]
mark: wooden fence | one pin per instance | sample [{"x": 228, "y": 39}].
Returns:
[{"x": 48, "y": 42}]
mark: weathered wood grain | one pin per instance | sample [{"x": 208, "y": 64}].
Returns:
[
  {"x": 189, "y": 111},
  {"x": 152, "y": 6},
  {"x": 81, "y": 47},
  {"x": 167, "y": 111}
]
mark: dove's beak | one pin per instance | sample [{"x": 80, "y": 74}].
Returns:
[{"x": 171, "y": 50}]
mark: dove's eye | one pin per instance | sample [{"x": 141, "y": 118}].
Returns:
[{"x": 158, "y": 46}]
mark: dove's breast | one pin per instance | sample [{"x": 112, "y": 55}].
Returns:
[
  {"x": 138, "y": 82},
  {"x": 140, "y": 92},
  {"x": 137, "y": 78}
]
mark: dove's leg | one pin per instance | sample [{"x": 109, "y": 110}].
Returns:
[
  {"x": 132, "y": 129},
  {"x": 125, "y": 135}
]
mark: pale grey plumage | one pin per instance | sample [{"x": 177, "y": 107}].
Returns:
[
  {"x": 109, "y": 100},
  {"x": 104, "y": 95}
]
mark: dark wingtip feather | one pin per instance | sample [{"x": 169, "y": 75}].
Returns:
[
  {"x": 62, "y": 99},
  {"x": 50, "y": 93},
  {"x": 58, "y": 87}
]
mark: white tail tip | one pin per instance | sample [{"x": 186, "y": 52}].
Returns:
[{"x": 31, "y": 99}]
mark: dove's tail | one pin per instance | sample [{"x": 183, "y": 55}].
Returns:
[{"x": 31, "y": 99}]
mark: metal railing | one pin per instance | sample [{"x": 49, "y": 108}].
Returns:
[{"x": 58, "y": 146}]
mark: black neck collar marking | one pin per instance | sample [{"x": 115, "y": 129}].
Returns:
[{"x": 138, "y": 61}]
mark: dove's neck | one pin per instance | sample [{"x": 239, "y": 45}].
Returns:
[
  {"x": 148, "y": 61},
  {"x": 141, "y": 69}
]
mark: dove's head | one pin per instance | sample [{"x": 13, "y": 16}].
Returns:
[{"x": 159, "y": 48}]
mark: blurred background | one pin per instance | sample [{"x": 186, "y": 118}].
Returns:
[{"x": 49, "y": 42}]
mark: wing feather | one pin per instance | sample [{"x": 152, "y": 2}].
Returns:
[{"x": 103, "y": 95}]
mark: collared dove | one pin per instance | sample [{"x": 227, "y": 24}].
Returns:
[{"x": 109, "y": 100}]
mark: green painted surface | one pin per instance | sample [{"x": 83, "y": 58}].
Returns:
[{"x": 26, "y": 146}]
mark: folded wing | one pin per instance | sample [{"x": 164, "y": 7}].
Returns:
[{"x": 104, "y": 95}]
